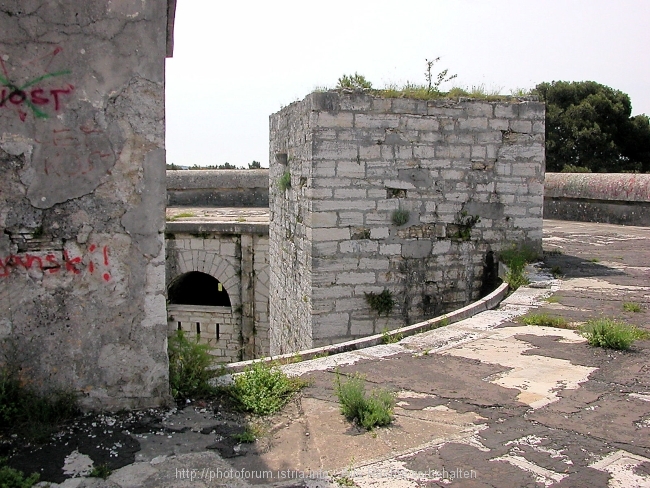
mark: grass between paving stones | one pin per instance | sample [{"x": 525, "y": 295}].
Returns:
[
  {"x": 546, "y": 320},
  {"x": 369, "y": 411},
  {"x": 611, "y": 333},
  {"x": 263, "y": 389},
  {"x": 102, "y": 471}
]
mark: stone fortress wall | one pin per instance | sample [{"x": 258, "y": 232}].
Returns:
[{"x": 469, "y": 174}]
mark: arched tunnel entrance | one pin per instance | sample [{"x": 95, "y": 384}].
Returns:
[
  {"x": 196, "y": 288},
  {"x": 199, "y": 305}
]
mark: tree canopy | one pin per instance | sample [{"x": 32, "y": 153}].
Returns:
[{"x": 588, "y": 125}]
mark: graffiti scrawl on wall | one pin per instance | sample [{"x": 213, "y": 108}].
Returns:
[
  {"x": 38, "y": 95},
  {"x": 95, "y": 261}
]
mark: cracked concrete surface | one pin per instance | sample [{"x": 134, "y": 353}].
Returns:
[{"x": 486, "y": 402}]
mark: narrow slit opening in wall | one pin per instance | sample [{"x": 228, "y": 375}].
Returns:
[
  {"x": 179, "y": 326},
  {"x": 198, "y": 327},
  {"x": 216, "y": 330}
]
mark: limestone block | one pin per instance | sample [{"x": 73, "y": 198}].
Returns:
[{"x": 354, "y": 278}]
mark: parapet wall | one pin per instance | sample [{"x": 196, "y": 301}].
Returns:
[
  {"x": 469, "y": 173},
  {"x": 618, "y": 198},
  {"x": 82, "y": 196},
  {"x": 218, "y": 188}
]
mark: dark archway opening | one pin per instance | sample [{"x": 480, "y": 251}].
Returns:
[{"x": 196, "y": 288}]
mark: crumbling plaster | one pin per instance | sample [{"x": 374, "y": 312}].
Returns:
[{"x": 82, "y": 268}]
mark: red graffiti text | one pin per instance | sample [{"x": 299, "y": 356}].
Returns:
[{"x": 96, "y": 260}]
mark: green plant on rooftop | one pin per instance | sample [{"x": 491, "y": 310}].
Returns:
[
  {"x": 263, "y": 389},
  {"x": 632, "y": 307},
  {"x": 369, "y": 411},
  {"x": 516, "y": 259},
  {"x": 354, "y": 82},
  {"x": 545, "y": 320},
  {"x": 611, "y": 333}
]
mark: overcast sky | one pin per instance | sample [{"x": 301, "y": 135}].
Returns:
[{"x": 237, "y": 62}]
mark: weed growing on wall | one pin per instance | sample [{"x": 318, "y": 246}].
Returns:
[
  {"x": 285, "y": 181},
  {"x": 400, "y": 217},
  {"x": 189, "y": 367},
  {"x": 263, "y": 389},
  {"x": 611, "y": 334},
  {"x": 369, "y": 411},
  {"x": 382, "y": 303}
]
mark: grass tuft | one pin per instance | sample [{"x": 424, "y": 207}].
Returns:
[
  {"x": 182, "y": 215},
  {"x": 546, "y": 320},
  {"x": 263, "y": 389},
  {"x": 632, "y": 307},
  {"x": 369, "y": 411},
  {"x": 516, "y": 259},
  {"x": 611, "y": 334}
]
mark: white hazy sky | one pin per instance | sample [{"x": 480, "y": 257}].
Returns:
[{"x": 236, "y": 62}]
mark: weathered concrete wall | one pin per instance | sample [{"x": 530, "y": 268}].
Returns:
[
  {"x": 354, "y": 160},
  {"x": 240, "y": 262},
  {"x": 82, "y": 197},
  {"x": 218, "y": 188},
  {"x": 618, "y": 198}
]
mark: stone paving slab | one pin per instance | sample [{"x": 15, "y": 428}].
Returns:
[{"x": 485, "y": 402}]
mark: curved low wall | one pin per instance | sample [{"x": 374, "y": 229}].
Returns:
[
  {"x": 218, "y": 188},
  {"x": 486, "y": 303},
  {"x": 614, "y": 198}
]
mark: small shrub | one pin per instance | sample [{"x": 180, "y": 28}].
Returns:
[
  {"x": 189, "y": 367},
  {"x": 571, "y": 168},
  {"x": 263, "y": 389},
  {"x": 612, "y": 334},
  {"x": 632, "y": 307},
  {"x": 545, "y": 320},
  {"x": 400, "y": 217},
  {"x": 285, "y": 181},
  {"x": 102, "y": 471},
  {"x": 375, "y": 410},
  {"x": 516, "y": 278},
  {"x": 381, "y": 302},
  {"x": 12, "y": 478}
]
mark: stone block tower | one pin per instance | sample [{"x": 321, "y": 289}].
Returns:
[{"x": 409, "y": 198}]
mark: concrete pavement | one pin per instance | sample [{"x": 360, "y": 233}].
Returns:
[{"x": 485, "y": 402}]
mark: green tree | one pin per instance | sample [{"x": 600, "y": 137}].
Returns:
[
  {"x": 255, "y": 165},
  {"x": 589, "y": 125}
]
